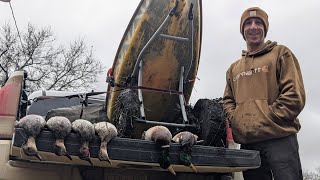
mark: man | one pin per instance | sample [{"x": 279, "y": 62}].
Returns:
[{"x": 262, "y": 99}]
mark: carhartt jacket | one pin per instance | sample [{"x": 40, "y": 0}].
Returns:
[{"x": 264, "y": 94}]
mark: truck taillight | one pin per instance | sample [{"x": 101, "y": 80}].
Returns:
[
  {"x": 9, "y": 99},
  {"x": 9, "y": 104},
  {"x": 10, "y": 94}
]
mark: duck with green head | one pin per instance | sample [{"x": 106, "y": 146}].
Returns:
[
  {"x": 162, "y": 137},
  {"x": 187, "y": 140}
]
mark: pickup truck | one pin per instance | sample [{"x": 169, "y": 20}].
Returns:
[{"x": 131, "y": 158}]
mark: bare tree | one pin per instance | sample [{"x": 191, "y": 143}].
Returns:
[
  {"x": 49, "y": 66},
  {"x": 311, "y": 175}
]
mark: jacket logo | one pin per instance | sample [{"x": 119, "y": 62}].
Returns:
[{"x": 264, "y": 68}]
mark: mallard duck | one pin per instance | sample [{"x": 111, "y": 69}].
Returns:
[
  {"x": 32, "y": 125},
  {"x": 162, "y": 137},
  {"x": 60, "y": 127},
  {"x": 106, "y": 131},
  {"x": 85, "y": 131},
  {"x": 187, "y": 140}
]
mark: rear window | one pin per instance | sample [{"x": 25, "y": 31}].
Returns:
[
  {"x": 42, "y": 106},
  {"x": 44, "y": 101}
]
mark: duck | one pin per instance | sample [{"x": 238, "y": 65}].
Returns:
[
  {"x": 60, "y": 127},
  {"x": 187, "y": 140},
  {"x": 85, "y": 130},
  {"x": 32, "y": 125},
  {"x": 162, "y": 137},
  {"x": 106, "y": 131}
]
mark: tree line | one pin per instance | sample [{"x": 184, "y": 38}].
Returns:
[{"x": 49, "y": 65}]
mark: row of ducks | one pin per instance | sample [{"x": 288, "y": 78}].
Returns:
[{"x": 61, "y": 127}]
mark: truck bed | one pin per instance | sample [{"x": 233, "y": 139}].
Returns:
[{"x": 139, "y": 154}]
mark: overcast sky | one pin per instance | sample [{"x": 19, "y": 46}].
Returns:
[{"x": 101, "y": 23}]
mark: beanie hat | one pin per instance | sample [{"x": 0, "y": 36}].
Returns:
[{"x": 254, "y": 12}]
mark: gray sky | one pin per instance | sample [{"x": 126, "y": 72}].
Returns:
[{"x": 101, "y": 23}]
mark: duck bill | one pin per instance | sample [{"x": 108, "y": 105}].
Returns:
[
  {"x": 107, "y": 158},
  {"x": 38, "y": 156},
  {"x": 170, "y": 169},
  {"x": 68, "y": 156},
  {"x": 89, "y": 160},
  {"x": 193, "y": 168},
  {"x": 109, "y": 161}
]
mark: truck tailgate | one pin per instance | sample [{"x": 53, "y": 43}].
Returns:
[{"x": 141, "y": 154}]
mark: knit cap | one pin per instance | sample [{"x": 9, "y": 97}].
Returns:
[{"x": 254, "y": 12}]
